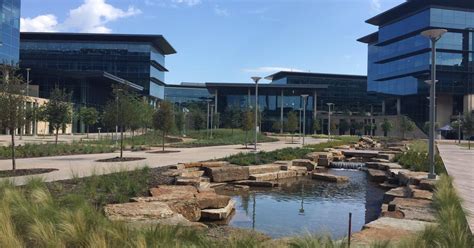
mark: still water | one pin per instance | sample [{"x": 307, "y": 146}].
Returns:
[{"x": 309, "y": 206}]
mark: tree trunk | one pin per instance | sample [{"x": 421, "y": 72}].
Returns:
[
  {"x": 469, "y": 143},
  {"x": 87, "y": 135},
  {"x": 57, "y": 134},
  {"x": 13, "y": 151},
  {"x": 121, "y": 142},
  {"x": 292, "y": 136},
  {"x": 163, "y": 141},
  {"x": 246, "y": 140}
]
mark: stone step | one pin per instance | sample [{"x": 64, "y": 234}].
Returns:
[
  {"x": 288, "y": 174},
  {"x": 329, "y": 178},
  {"x": 264, "y": 177},
  {"x": 197, "y": 173},
  {"x": 194, "y": 181},
  {"x": 251, "y": 183},
  {"x": 218, "y": 214},
  {"x": 400, "y": 192},
  {"x": 227, "y": 174},
  {"x": 260, "y": 169},
  {"x": 310, "y": 165},
  {"x": 378, "y": 176},
  {"x": 211, "y": 200}
]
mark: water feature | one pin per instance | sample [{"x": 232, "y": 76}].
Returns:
[{"x": 305, "y": 205}]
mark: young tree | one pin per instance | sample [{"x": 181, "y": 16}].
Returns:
[
  {"x": 163, "y": 119},
  {"x": 344, "y": 126},
  {"x": 358, "y": 127},
  {"x": 386, "y": 126},
  {"x": 198, "y": 119},
  {"x": 292, "y": 124},
  {"x": 276, "y": 126},
  {"x": 316, "y": 125},
  {"x": 467, "y": 124},
  {"x": 247, "y": 123},
  {"x": 179, "y": 120},
  {"x": 406, "y": 126},
  {"x": 119, "y": 111},
  {"x": 146, "y": 115},
  {"x": 89, "y": 116},
  {"x": 12, "y": 102},
  {"x": 58, "y": 110}
]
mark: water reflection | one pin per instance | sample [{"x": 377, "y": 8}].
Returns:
[{"x": 307, "y": 205}]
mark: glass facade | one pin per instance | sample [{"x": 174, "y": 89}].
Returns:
[
  {"x": 399, "y": 57},
  {"x": 9, "y": 31},
  {"x": 127, "y": 60}
]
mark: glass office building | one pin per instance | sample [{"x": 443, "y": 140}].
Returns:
[
  {"x": 283, "y": 94},
  {"x": 88, "y": 64},
  {"x": 9, "y": 31},
  {"x": 399, "y": 58}
]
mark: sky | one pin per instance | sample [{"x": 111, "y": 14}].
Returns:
[{"x": 227, "y": 40}]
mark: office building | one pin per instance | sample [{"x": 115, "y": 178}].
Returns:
[
  {"x": 9, "y": 31},
  {"x": 399, "y": 58}
]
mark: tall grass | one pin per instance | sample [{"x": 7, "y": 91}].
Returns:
[
  {"x": 43, "y": 150},
  {"x": 417, "y": 159}
]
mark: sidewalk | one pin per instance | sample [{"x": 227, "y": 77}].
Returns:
[
  {"x": 459, "y": 162},
  {"x": 85, "y": 165}
]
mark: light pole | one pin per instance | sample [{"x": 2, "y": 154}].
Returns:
[
  {"x": 212, "y": 118},
  {"x": 434, "y": 35},
  {"x": 459, "y": 127},
  {"x": 329, "y": 119},
  {"x": 256, "y": 79},
  {"x": 304, "y": 115},
  {"x": 28, "y": 81},
  {"x": 207, "y": 119}
]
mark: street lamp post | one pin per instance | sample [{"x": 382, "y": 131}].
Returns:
[
  {"x": 434, "y": 35},
  {"x": 28, "y": 81},
  {"x": 304, "y": 115},
  {"x": 212, "y": 118},
  {"x": 329, "y": 119},
  {"x": 459, "y": 127},
  {"x": 256, "y": 79},
  {"x": 207, "y": 119}
]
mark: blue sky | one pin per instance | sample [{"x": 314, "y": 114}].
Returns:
[{"x": 227, "y": 40}]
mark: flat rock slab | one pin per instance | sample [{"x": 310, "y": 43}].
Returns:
[
  {"x": 378, "y": 176},
  {"x": 170, "y": 192},
  {"x": 415, "y": 209},
  {"x": 227, "y": 174},
  {"x": 310, "y": 165},
  {"x": 260, "y": 169},
  {"x": 251, "y": 183},
  {"x": 329, "y": 178},
  {"x": 360, "y": 153},
  {"x": 427, "y": 184},
  {"x": 218, "y": 214},
  {"x": 395, "y": 172},
  {"x": 272, "y": 176},
  {"x": 386, "y": 156},
  {"x": 287, "y": 174},
  {"x": 315, "y": 156},
  {"x": 401, "y": 192},
  {"x": 399, "y": 224},
  {"x": 198, "y": 173},
  {"x": 411, "y": 177},
  {"x": 205, "y": 164},
  {"x": 418, "y": 193},
  {"x": 208, "y": 200},
  {"x": 194, "y": 181}
]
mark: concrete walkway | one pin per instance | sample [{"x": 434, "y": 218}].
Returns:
[
  {"x": 459, "y": 162},
  {"x": 85, "y": 165}
]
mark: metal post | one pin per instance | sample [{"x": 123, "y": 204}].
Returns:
[
  {"x": 431, "y": 144},
  {"x": 329, "y": 123},
  {"x": 207, "y": 120},
  {"x": 212, "y": 119},
  {"x": 256, "y": 79},
  {"x": 304, "y": 116},
  {"x": 349, "y": 231},
  {"x": 459, "y": 127},
  {"x": 299, "y": 121},
  {"x": 281, "y": 112},
  {"x": 28, "y": 81}
]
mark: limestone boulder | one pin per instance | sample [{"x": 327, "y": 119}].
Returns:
[
  {"x": 415, "y": 209},
  {"x": 377, "y": 176},
  {"x": 227, "y": 174},
  {"x": 259, "y": 169},
  {"x": 386, "y": 156},
  {"x": 427, "y": 184},
  {"x": 189, "y": 208},
  {"x": 193, "y": 181},
  {"x": 177, "y": 167},
  {"x": 264, "y": 177},
  {"x": 310, "y": 165},
  {"x": 197, "y": 173},
  {"x": 212, "y": 200},
  {"x": 418, "y": 193},
  {"x": 172, "y": 192},
  {"x": 252, "y": 183},
  {"x": 400, "y": 192},
  {"x": 220, "y": 213},
  {"x": 329, "y": 178},
  {"x": 288, "y": 174},
  {"x": 215, "y": 164},
  {"x": 411, "y": 177}
]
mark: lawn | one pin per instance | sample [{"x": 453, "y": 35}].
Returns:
[{"x": 222, "y": 137}]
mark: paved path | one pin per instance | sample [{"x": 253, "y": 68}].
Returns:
[
  {"x": 85, "y": 165},
  {"x": 459, "y": 162}
]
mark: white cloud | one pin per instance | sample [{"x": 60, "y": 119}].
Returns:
[
  {"x": 220, "y": 11},
  {"x": 270, "y": 69},
  {"x": 187, "y": 2},
  {"x": 90, "y": 17},
  {"x": 376, "y": 5},
  {"x": 42, "y": 23}
]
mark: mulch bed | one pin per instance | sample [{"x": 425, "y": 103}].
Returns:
[
  {"x": 118, "y": 159},
  {"x": 164, "y": 152},
  {"x": 24, "y": 172}
]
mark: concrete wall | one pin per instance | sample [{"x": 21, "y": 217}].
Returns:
[{"x": 468, "y": 103}]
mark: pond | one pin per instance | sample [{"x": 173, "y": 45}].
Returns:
[{"x": 304, "y": 205}]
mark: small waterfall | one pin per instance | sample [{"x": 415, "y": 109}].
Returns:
[{"x": 348, "y": 165}]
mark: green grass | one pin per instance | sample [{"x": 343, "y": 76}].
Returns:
[
  {"x": 263, "y": 157},
  {"x": 43, "y": 150},
  {"x": 416, "y": 158},
  {"x": 222, "y": 137}
]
